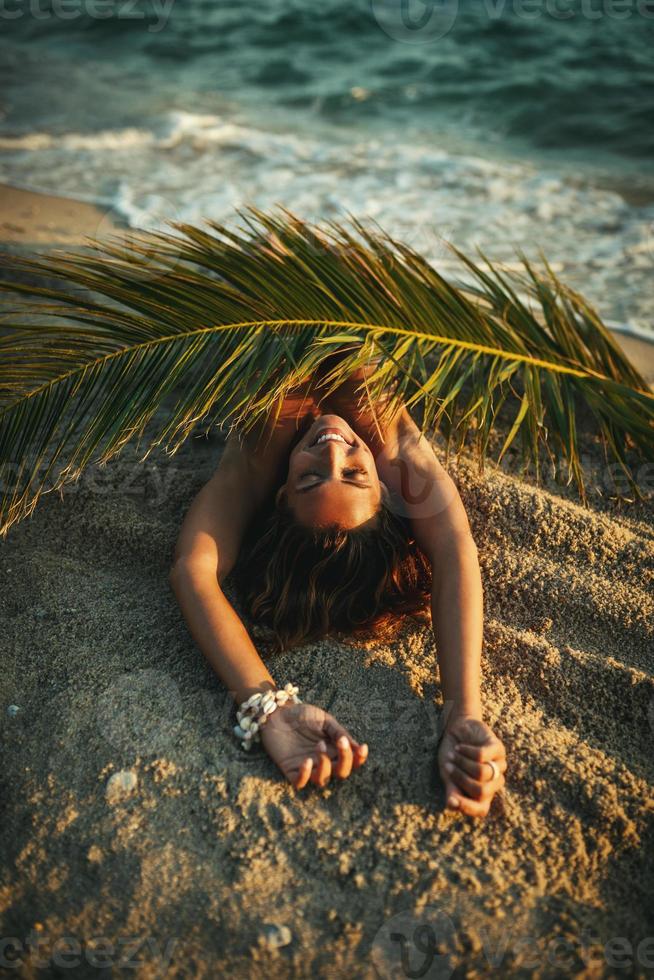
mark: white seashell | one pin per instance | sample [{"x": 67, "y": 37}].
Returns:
[
  {"x": 254, "y": 728},
  {"x": 282, "y": 697},
  {"x": 275, "y": 936},
  {"x": 269, "y": 707},
  {"x": 245, "y": 723},
  {"x": 253, "y": 699},
  {"x": 121, "y": 785},
  {"x": 247, "y": 746}
]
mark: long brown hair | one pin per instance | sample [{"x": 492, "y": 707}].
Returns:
[{"x": 305, "y": 582}]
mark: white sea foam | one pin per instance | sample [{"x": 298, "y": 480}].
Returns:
[
  {"x": 189, "y": 167},
  {"x": 117, "y": 140}
]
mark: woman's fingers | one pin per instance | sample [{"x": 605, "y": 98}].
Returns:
[
  {"x": 304, "y": 773},
  {"x": 343, "y": 767},
  {"x": 481, "y": 771},
  {"x": 472, "y": 808},
  {"x": 335, "y": 731},
  {"x": 336, "y": 754},
  {"x": 470, "y": 781},
  {"x": 322, "y": 770},
  {"x": 489, "y": 751},
  {"x": 451, "y": 795},
  {"x": 459, "y": 802},
  {"x": 471, "y": 787},
  {"x": 359, "y": 754}
]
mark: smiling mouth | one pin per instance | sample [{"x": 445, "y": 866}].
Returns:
[{"x": 330, "y": 434}]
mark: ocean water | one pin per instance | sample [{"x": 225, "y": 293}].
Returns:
[{"x": 495, "y": 125}]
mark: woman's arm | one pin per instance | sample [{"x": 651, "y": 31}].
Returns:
[
  {"x": 306, "y": 742},
  {"x": 421, "y": 487},
  {"x": 210, "y": 537},
  {"x": 206, "y": 550},
  {"x": 424, "y": 492},
  {"x": 428, "y": 496}
]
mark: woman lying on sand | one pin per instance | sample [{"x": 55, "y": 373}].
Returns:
[{"x": 338, "y": 525}]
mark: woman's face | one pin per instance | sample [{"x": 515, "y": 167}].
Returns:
[{"x": 332, "y": 477}]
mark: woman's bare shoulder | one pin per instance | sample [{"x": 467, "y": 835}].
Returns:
[
  {"x": 258, "y": 457},
  {"x": 240, "y": 464}
]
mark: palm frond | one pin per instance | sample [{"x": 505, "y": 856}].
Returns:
[{"x": 230, "y": 319}]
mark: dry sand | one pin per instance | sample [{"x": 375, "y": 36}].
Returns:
[{"x": 211, "y": 845}]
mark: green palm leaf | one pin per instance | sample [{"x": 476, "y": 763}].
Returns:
[{"x": 228, "y": 320}]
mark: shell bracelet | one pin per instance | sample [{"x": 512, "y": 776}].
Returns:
[{"x": 254, "y": 712}]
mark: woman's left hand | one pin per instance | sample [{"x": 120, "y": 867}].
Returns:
[{"x": 466, "y": 748}]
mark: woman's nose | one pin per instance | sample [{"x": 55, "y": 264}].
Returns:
[
  {"x": 332, "y": 451},
  {"x": 332, "y": 448}
]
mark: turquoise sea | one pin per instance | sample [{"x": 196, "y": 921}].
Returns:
[{"x": 501, "y": 125}]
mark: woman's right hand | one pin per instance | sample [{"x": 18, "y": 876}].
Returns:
[{"x": 307, "y": 743}]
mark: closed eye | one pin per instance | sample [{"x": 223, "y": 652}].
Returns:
[
  {"x": 350, "y": 476},
  {"x": 348, "y": 473}
]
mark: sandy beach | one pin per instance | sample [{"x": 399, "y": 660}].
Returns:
[
  {"x": 28, "y": 218},
  {"x": 203, "y": 862}
]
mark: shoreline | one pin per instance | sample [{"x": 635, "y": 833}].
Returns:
[{"x": 34, "y": 218}]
